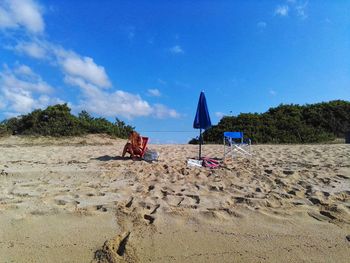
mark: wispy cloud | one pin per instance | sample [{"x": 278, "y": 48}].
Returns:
[
  {"x": 85, "y": 68},
  {"x": 24, "y": 78},
  {"x": 32, "y": 49},
  {"x": 25, "y": 14},
  {"x": 23, "y": 90},
  {"x": 219, "y": 114},
  {"x": 161, "y": 111},
  {"x": 261, "y": 25},
  {"x": 129, "y": 31},
  {"x": 150, "y": 41},
  {"x": 113, "y": 103},
  {"x": 162, "y": 82},
  {"x": 71, "y": 63},
  {"x": 24, "y": 70},
  {"x": 118, "y": 103},
  {"x": 294, "y": 7},
  {"x": 272, "y": 92},
  {"x": 282, "y": 10},
  {"x": 2, "y": 103},
  {"x": 176, "y": 50},
  {"x": 301, "y": 10},
  {"x": 182, "y": 84},
  {"x": 154, "y": 92}
]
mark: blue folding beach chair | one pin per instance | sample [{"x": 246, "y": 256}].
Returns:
[{"x": 235, "y": 144}]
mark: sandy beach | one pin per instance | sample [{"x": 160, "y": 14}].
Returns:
[{"x": 77, "y": 200}]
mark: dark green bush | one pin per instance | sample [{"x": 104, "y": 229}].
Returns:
[
  {"x": 3, "y": 130},
  {"x": 313, "y": 123},
  {"x": 58, "y": 121}
]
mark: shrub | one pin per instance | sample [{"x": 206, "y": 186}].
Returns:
[
  {"x": 313, "y": 123},
  {"x": 58, "y": 121}
]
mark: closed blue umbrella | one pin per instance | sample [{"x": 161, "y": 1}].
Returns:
[{"x": 202, "y": 119}]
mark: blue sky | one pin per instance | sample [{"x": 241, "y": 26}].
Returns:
[{"x": 146, "y": 62}]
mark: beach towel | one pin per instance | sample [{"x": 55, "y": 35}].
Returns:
[{"x": 210, "y": 163}]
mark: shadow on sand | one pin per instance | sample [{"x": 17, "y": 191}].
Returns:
[{"x": 106, "y": 158}]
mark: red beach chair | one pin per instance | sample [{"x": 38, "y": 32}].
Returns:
[{"x": 144, "y": 146}]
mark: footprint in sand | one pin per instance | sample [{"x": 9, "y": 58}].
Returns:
[
  {"x": 181, "y": 200},
  {"x": 61, "y": 202},
  {"x": 195, "y": 197},
  {"x": 327, "y": 214},
  {"x": 315, "y": 201},
  {"x": 323, "y": 216},
  {"x": 288, "y": 172},
  {"x": 129, "y": 204},
  {"x": 101, "y": 208},
  {"x": 155, "y": 209},
  {"x": 149, "y": 218}
]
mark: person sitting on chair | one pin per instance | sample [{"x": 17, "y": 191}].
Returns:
[{"x": 134, "y": 145}]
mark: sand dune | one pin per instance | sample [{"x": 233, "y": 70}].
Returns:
[{"x": 77, "y": 200}]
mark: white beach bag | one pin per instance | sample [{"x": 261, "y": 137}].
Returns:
[
  {"x": 151, "y": 155},
  {"x": 195, "y": 163}
]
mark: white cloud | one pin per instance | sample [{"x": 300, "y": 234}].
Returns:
[
  {"x": 20, "y": 101},
  {"x": 22, "y": 90},
  {"x": 161, "y": 111},
  {"x": 299, "y": 7},
  {"x": 261, "y": 25},
  {"x": 84, "y": 73},
  {"x": 24, "y": 70},
  {"x": 301, "y": 10},
  {"x": 219, "y": 114},
  {"x": 21, "y": 13},
  {"x": 282, "y": 10},
  {"x": 6, "y": 20},
  {"x": 150, "y": 41},
  {"x": 85, "y": 68},
  {"x": 129, "y": 31},
  {"x": 176, "y": 50},
  {"x": 131, "y": 34},
  {"x": 162, "y": 82},
  {"x": 2, "y": 102},
  {"x": 79, "y": 82},
  {"x": 24, "y": 79},
  {"x": 154, "y": 92},
  {"x": 32, "y": 49},
  {"x": 272, "y": 92},
  {"x": 117, "y": 103},
  {"x": 71, "y": 63},
  {"x": 182, "y": 84}
]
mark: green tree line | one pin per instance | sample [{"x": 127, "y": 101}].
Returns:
[
  {"x": 58, "y": 121},
  {"x": 311, "y": 123}
]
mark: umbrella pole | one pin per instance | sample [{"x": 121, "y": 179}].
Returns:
[{"x": 200, "y": 143}]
